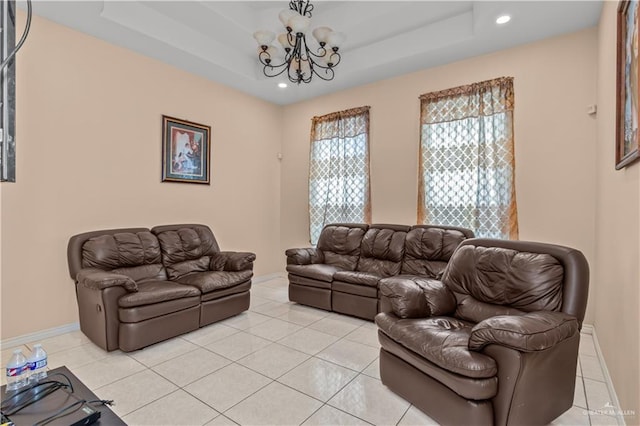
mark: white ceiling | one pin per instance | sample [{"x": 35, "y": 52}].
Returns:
[{"x": 384, "y": 38}]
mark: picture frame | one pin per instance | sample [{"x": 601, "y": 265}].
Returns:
[
  {"x": 186, "y": 151},
  {"x": 627, "y": 94}
]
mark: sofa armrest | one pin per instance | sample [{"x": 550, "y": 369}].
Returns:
[
  {"x": 232, "y": 261},
  {"x": 304, "y": 256},
  {"x": 98, "y": 279},
  {"x": 417, "y": 297},
  {"x": 534, "y": 331}
]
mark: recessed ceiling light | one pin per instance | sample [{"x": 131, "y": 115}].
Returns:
[
  {"x": 503, "y": 19},
  {"x": 282, "y": 85}
]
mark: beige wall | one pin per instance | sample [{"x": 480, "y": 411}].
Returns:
[
  {"x": 89, "y": 157},
  {"x": 555, "y": 140},
  {"x": 617, "y": 313}
]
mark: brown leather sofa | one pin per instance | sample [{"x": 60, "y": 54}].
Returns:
[
  {"x": 495, "y": 341},
  {"x": 139, "y": 286},
  {"x": 342, "y": 273}
]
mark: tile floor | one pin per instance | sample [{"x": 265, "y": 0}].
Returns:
[{"x": 277, "y": 364}]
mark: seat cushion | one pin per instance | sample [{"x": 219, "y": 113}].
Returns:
[
  {"x": 215, "y": 280},
  {"x": 441, "y": 340},
  {"x": 150, "y": 292},
  {"x": 320, "y": 272},
  {"x": 354, "y": 277}
]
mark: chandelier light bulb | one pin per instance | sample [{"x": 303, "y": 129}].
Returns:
[
  {"x": 286, "y": 39},
  {"x": 286, "y": 15},
  {"x": 299, "y": 24},
  {"x": 321, "y": 34},
  {"x": 263, "y": 37}
]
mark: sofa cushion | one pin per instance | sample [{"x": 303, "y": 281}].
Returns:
[
  {"x": 382, "y": 250},
  {"x": 428, "y": 249},
  {"x": 354, "y": 277},
  {"x": 150, "y": 292},
  {"x": 320, "y": 272},
  {"x": 186, "y": 249},
  {"x": 340, "y": 244},
  {"x": 135, "y": 254},
  {"x": 442, "y": 340},
  {"x": 500, "y": 276},
  {"x": 215, "y": 280}
]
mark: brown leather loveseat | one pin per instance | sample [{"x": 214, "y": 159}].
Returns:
[
  {"x": 343, "y": 272},
  {"x": 495, "y": 341},
  {"x": 139, "y": 286}
]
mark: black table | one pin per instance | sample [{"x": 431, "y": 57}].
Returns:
[{"x": 60, "y": 398}]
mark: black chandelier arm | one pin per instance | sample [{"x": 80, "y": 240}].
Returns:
[
  {"x": 303, "y": 7},
  {"x": 327, "y": 70}
]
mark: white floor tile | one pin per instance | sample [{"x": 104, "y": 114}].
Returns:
[
  {"x": 226, "y": 387},
  {"x": 107, "y": 370},
  {"x": 365, "y": 335},
  {"x": 334, "y": 326},
  {"x": 163, "y": 351},
  {"x": 274, "y": 329},
  {"x": 373, "y": 370},
  {"x": 272, "y": 309},
  {"x": 221, "y": 421},
  {"x": 329, "y": 416},
  {"x": 176, "y": 408},
  {"x": 579, "y": 398},
  {"x": 598, "y": 397},
  {"x": 275, "y": 404},
  {"x": 369, "y": 399},
  {"x": 209, "y": 334},
  {"x": 415, "y": 417},
  {"x": 135, "y": 391},
  {"x": 317, "y": 378},
  {"x": 191, "y": 366},
  {"x": 303, "y": 318},
  {"x": 587, "y": 347},
  {"x": 245, "y": 320},
  {"x": 76, "y": 356},
  {"x": 591, "y": 368},
  {"x": 355, "y": 356},
  {"x": 274, "y": 360},
  {"x": 308, "y": 341},
  {"x": 238, "y": 345},
  {"x": 575, "y": 416},
  {"x": 63, "y": 342}
]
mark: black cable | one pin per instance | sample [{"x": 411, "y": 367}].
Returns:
[
  {"x": 22, "y": 39},
  {"x": 29, "y": 395},
  {"x": 63, "y": 411}
]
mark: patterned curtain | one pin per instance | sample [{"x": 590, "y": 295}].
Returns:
[
  {"x": 339, "y": 170},
  {"x": 467, "y": 165}
]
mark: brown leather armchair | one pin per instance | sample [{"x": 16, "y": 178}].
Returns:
[{"x": 495, "y": 341}]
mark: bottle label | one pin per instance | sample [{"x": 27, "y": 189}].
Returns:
[
  {"x": 37, "y": 364},
  {"x": 16, "y": 371}
]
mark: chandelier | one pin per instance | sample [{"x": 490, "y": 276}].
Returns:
[{"x": 298, "y": 62}]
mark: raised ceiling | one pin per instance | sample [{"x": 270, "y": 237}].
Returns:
[{"x": 384, "y": 38}]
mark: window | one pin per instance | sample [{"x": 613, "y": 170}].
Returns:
[
  {"x": 466, "y": 159},
  {"x": 339, "y": 170}
]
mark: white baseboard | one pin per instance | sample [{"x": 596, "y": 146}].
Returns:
[
  {"x": 55, "y": 331},
  {"x": 39, "y": 335},
  {"x": 607, "y": 378}
]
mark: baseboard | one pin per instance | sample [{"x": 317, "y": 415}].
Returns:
[
  {"x": 39, "y": 335},
  {"x": 618, "y": 411}
]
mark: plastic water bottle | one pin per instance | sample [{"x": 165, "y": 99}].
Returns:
[
  {"x": 17, "y": 372},
  {"x": 37, "y": 363}
]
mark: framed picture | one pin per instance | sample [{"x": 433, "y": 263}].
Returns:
[
  {"x": 627, "y": 113},
  {"x": 186, "y": 148}
]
